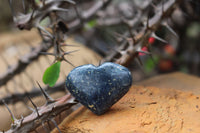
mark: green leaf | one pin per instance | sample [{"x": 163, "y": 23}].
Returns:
[
  {"x": 51, "y": 74},
  {"x": 91, "y": 24},
  {"x": 37, "y": 1},
  {"x": 149, "y": 65}
]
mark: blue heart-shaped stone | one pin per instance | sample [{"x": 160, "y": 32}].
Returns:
[{"x": 98, "y": 88}]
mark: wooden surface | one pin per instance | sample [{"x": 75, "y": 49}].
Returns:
[{"x": 172, "y": 108}]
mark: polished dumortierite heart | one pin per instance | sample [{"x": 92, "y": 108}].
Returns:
[{"x": 98, "y": 88}]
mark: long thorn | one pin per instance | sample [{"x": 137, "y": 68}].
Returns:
[
  {"x": 68, "y": 62},
  {"x": 54, "y": 122},
  {"x": 170, "y": 29},
  {"x": 47, "y": 97},
  {"x": 158, "y": 38},
  {"x": 66, "y": 53},
  {"x": 69, "y": 45},
  {"x": 36, "y": 109},
  {"x": 11, "y": 114}
]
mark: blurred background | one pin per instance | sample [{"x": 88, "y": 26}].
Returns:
[
  {"x": 180, "y": 53},
  {"x": 96, "y": 40}
]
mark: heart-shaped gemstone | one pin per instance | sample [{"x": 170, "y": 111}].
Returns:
[{"x": 98, "y": 88}]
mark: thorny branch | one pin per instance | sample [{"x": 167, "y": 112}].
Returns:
[
  {"x": 125, "y": 54},
  {"x": 28, "y": 21},
  {"x": 25, "y": 61},
  {"x": 46, "y": 112},
  {"x": 87, "y": 15},
  {"x": 130, "y": 49},
  {"x": 16, "y": 97}
]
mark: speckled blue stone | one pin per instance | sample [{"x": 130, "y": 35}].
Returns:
[{"x": 98, "y": 88}]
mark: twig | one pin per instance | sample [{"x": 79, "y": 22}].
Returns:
[
  {"x": 34, "y": 55},
  {"x": 47, "y": 112},
  {"x": 14, "y": 98},
  {"x": 130, "y": 51},
  {"x": 87, "y": 15},
  {"x": 23, "y": 62}
]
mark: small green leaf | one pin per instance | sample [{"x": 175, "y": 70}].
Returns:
[
  {"x": 91, "y": 24},
  {"x": 37, "y": 1},
  {"x": 51, "y": 74},
  {"x": 149, "y": 65}
]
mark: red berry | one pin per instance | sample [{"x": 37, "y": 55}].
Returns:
[
  {"x": 143, "y": 49},
  {"x": 169, "y": 49},
  {"x": 151, "y": 40},
  {"x": 165, "y": 65}
]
